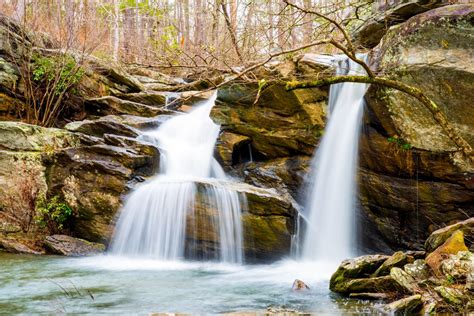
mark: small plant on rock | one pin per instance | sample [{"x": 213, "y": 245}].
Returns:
[{"x": 52, "y": 214}]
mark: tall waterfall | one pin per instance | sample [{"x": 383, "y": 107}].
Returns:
[
  {"x": 330, "y": 205},
  {"x": 159, "y": 216}
]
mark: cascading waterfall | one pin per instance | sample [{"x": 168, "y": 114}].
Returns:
[
  {"x": 330, "y": 206},
  {"x": 155, "y": 218}
]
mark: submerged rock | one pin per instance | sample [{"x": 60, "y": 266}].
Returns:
[
  {"x": 299, "y": 285},
  {"x": 73, "y": 247}
]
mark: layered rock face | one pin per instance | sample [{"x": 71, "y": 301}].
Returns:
[
  {"x": 412, "y": 177},
  {"x": 268, "y": 223}
]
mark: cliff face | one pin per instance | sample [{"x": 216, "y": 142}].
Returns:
[{"x": 412, "y": 177}]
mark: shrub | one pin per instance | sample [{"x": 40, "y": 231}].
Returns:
[{"x": 52, "y": 214}]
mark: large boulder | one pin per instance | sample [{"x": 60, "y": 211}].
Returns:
[
  {"x": 279, "y": 124},
  {"x": 413, "y": 179},
  {"x": 369, "y": 33},
  {"x": 268, "y": 222}
]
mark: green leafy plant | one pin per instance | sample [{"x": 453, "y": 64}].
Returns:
[
  {"x": 400, "y": 142},
  {"x": 52, "y": 214}
]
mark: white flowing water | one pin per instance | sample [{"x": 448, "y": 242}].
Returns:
[
  {"x": 155, "y": 218},
  {"x": 330, "y": 206}
]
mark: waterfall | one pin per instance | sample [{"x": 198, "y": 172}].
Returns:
[
  {"x": 161, "y": 215},
  {"x": 331, "y": 203}
]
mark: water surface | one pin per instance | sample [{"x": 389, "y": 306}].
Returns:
[{"x": 106, "y": 284}]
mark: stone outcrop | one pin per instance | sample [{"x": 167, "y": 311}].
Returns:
[
  {"x": 268, "y": 223},
  {"x": 412, "y": 178},
  {"x": 94, "y": 172},
  {"x": 72, "y": 247},
  {"x": 435, "y": 283},
  {"x": 391, "y": 13},
  {"x": 279, "y": 124}
]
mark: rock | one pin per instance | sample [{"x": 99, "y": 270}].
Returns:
[
  {"x": 286, "y": 175},
  {"x": 280, "y": 124},
  {"x": 96, "y": 178},
  {"x": 100, "y": 127},
  {"x": 418, "y": 270},
  {"x": 404, "y": 280},
  {"x": 371, "y": 31},
  {"x": 299, "y": 285},
  {"x": 268, "y": 223},
  {"x": 230, "y": 149},
  {"x": 15, "y": 246},
  {"x": 369, "y": 296},
  {"x": 451, "y": 246},
  {"x": 73, "y": 247},
  {"x": 416, "y": 182},
  {"x": 117, "y": 78},
  {"x": 398, "y": 259},
  {"x": 381, "y": 284},
  {"x": 438, "y": 237},
  {"x": 357, "y": 269},
  {"x": 405, "y": 306},
  {"x": 151, "y": 98},
  {"x": 113, "y": 105},
  {"x": 458, "y": 266},
  {"x": 139, "y": 122},
  {"x": 18, "y": 136},
  {"x": 451, "y": 295},
  {"x": 470, "y": 281}
]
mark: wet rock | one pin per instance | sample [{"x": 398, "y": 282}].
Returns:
[
  {"x": 113, "y": 105},
  {"x": 70, "y": 246},
  {"x": 451, "y": 246},
  {"x": 100, "y": 127},
  {"x": 299, "y": 285},
  {"x": 418, "y": 269},
  {"x": 404, "y": 280},
  {"x": 349, "y": 277},
  {"x": 398, "y": 259},
  {"x": 451, "y": 295},
  {"x": 405, "y": 306},
  {"x": 381, "y": 284},
  {"x": 458, "y": 266},
  {"x": 438, "y": 237},
  {"x": 369, "y": 296},
  {"x": 14, "y": 246},
  {"x": 267, "y": 222}
]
